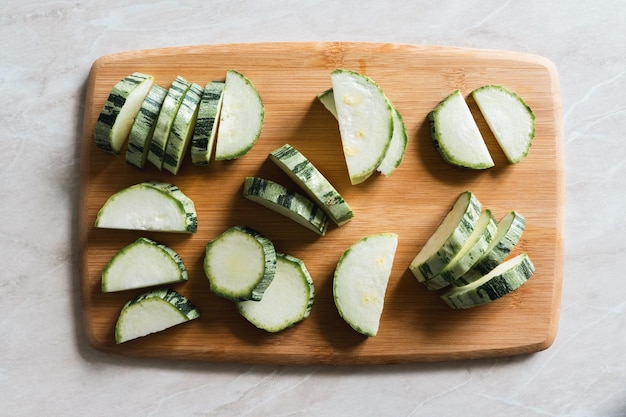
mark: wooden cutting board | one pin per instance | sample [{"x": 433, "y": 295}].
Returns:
[{"x": 416, "y": 325}]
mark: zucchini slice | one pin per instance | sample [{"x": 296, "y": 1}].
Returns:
[
  {"x": 508, "y": 234},
  {"x": 505, "y": 278},
  {"x": 286, "y": 302},
  {"x": 313, "y": 182},
  {"x": 143, "y": 128},
  {"x": 360, "y": 281},
  {"x": 449, "y": 238},
  {"x": 165, "y": 121},
  {"x": 153, "y": 312},
  {"x": 286, "y": 202},
  {"x": 509, "y": 118},
  {"x": 143, "y": 263},
  {"x": 182, "y": 129},
  {"x": 365, "y": 122},
  {"x": 119, "y": 111},
  {"x": 241, "y": 117},
  {"x": 151, "y": 205},
  {"x": 399, "y": 138},
  {"x": 240, "y": 264},
  {"x": 456, "y": 135},
  {"x": 206, "y": 126}
]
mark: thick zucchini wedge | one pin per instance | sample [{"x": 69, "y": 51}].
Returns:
[
  {"x": 290, "y": 204},
  {"x": 449, "y": 238},
  {"x": 141, "y": 133},
  {"x": 360, "y": 281},
  {"x": 286, "y": 302},
  {"x": 241, "y": 117},
  {"x": 153, "y": 312},
  {"x": 240, "y": 264},
  {"x": 143, "y": 263},
  {"x": 119, "y": 111},
  {"x": 313, "y": 182},
  {"x": 151, "y": 205},
  {"x": 206, "y": 126},
  {"x": 365, "y": 122},
  {"x": 509, "y": 118},
  {"x": 456, "y": 135},
  {"x": 505, "y": 278}
]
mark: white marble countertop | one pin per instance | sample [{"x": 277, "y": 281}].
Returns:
[{"x": 46, "y": 365}]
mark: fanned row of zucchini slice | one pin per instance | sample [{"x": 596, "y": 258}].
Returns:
[{"x": 223, "y": 117}]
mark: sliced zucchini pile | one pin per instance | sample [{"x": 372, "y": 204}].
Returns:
[
  {"x": 468, "y": 251},
  {"x": 161, "y": 124}
]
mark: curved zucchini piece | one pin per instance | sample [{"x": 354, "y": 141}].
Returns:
[
  {"x": 153, "y": 312},
  {"x": 448, "y": 239},
  {"x": 365, "y": 122},
  {"x": 119, "y": 111},
  {"x": 327, "y": 98},
  {"x": 509, "y": 118},
  {"x": 182, "y": 129},
  {"x": 140, "y": 135},
  {"x": 360, "y": 281},
  {"x": 151, "y": 205},
  {"x": 313, "y": 182},
  {"x": 505, "y": 278},
  {"x": 241, "y": 117},
  {"x": 143, "y": 263},
  {"x": 456, "y": 135},
  {"x": 397, "y": 146},
  {"x": 286, "y": 302},
  {"x": 510, "y": 229},
  {"x": 206, "y": 126},
  {"x": 286, "y": 202},
  {"x": 165, "y": 121},
  {"x": 240, "y": 264},
  {"x": 475, "y": 246}
]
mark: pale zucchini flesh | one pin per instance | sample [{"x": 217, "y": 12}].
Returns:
[
  {"x": 241, "y": 117},
  {"x": 288, "y": 203},
  {"x": 504, "y": 279},
  {"x": 509, "y": 118},
  {"x": 286, "y": 302},
  {"x": 360, "y": 281},
  {"x": 119, "y": 111},
  {"x": 313, "y": 182},
  {"x": 151, "y": 205},
  {"x": 141, "y": 264},
  {"x": 365, "y": 122},
  {"x": 240, "y": 264},
  {"x": 448, "y": 239},
  {"x": 456, "y": 135},
  {"x": 153, "y": 312}
]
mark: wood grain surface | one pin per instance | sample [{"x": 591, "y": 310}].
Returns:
[{"x": 415, "y": 325}]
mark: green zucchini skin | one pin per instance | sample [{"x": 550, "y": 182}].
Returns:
[
  {"x": 182, "y": 129},
  {"x": 504, "y": 279},
  {"x": 313, "y": 182},
  {"x": 141, "y": 133},
  {"x": 165, "y": 121},
  {"x": 206, "y": 124},
  {"x": 104, "y": 132},
  {"x": 286, "y": 202},
  {"x": 499, "y": 248}
]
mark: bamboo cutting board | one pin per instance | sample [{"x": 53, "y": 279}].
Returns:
[{"x": 415, "y": 325}]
